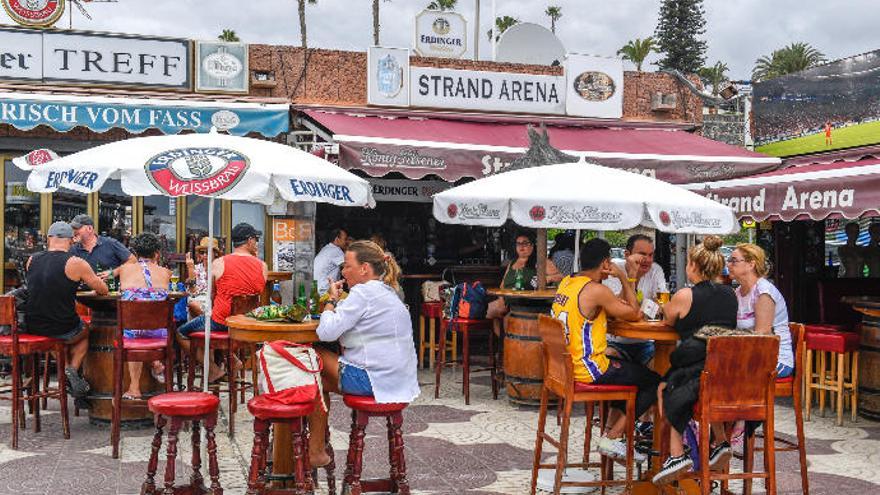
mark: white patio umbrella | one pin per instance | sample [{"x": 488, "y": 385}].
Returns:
[
  {"x": 582, "y": 196},
  {"x": 211, "y": 165}
]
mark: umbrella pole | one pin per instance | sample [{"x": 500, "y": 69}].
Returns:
[
  {"x": 206, "y": 358},
  {"x": 576, "y": 267},
  {"x": 542, "y": 259}
]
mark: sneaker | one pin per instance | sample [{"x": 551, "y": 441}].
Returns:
[
  {"x": 672, "y": 466},
  {"x": 616, "y": 449},
  {"x": 77, "y": 386},
  {"x": 719, "y": 454},
  {"x": 645, "y": 429}
]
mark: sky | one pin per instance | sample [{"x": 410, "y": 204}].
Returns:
[{"x": 738, "y": 31}]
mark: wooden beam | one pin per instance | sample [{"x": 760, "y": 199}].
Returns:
[{"x": 542, "y": 259}]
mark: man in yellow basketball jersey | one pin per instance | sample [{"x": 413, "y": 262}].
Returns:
[{"x": 583, "y": 304}]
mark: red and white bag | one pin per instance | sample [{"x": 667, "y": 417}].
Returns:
[{"x": 290, "y": 373}]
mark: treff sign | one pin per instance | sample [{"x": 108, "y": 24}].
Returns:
[{"x": 94, "y": 58}]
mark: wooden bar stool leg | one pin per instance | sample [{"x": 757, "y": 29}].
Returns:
[
  {"x": 432, "y": 333},
  {"x": 61, "y": 363},
  {"x": 171, "y": 455},
  {"x": 149, "y": 485},
  {"x": 840, "y": 389},
  {"x": 191, "y": 366},
  {"x": 465, "y": 363},
  {"x": 17, "y": 404},
  {"x": 255, "y": 485},
  {"x": 854, "y": 380},
  {"x": 196, "y": 481},
  {"x": 539, "y": 439},
  {"x": 356, "y": 453},
  {"x": 562, "y": 455},
  {"x": 821, "y": 389},
  {"x": 493, "y": 364},
  {"x": 299, "y": 468},
  {"x": 441, "y": 360},
  {"x": 44, "y": 400},
  {"x": 232, "y": 377},
  {"x": 398, "y": 479},
  {"x": 35, "y": 389},
  {"x": 213, "y": 466},
  {"x": 454, "y": 348},
  {"x": 808, "y": 386},
  {"x": 421, "y": 341}
]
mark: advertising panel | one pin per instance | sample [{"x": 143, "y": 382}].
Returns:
[
  {"x": 594, "y": 86},
  {"x": 388, "y": 76},
  {"x": 222, "y": 67},
  {"x": 441, "y": 34}
]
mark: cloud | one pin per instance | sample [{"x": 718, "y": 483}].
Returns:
[{"x": 738, "y": 31}]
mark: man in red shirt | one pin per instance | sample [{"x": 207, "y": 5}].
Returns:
[{"x": 237, "y": 274}]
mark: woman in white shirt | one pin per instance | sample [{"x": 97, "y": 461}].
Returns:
[{"x": 374, "y": 330}]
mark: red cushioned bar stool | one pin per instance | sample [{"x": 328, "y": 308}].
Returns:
[
  {"x": 465, "y": 326},
  {"x": 177, "y": 408},
  {"x": 838, "y": 370},
  {"x": 362, "y": 409},
  {"x": 267, "y": 412},
  {"x": 433, "y": 313}
]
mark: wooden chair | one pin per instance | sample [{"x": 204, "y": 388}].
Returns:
[
  {"x": 142, "y": 315},
  {"x": 728, "y": 395},
  {"x": 20, "y": 346},
  {"x": 559, "y": 380},
  {"x": 433, "y": 313},
  {"x": 791, "y": 387},
  {"x": 221, "y": 341}
]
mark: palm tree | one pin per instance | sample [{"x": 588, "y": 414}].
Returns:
[
  {"x": 228, "y": 35},
  {"x": 502, "y": 23},
  {"x": 637, "y": 51},
  {"x": 714, "y": 76},
  {"x": 302, "y": 21},
  {"x": 554, "y": 13},
  {"x": 787, "y": 60},
  {"x": 442, "y": 5}
]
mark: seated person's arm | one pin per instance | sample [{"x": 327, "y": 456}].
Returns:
[
  {"x": 553, "y": 273},
  {"x": 78, "y": 270},
  {"x": 598, "y": 296},
  {"x": 677, "y": 307},
  {"x": 341, "y": 318},
  {"x": 765, "y": 309}
]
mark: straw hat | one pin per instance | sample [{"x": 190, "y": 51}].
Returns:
[{"x": 203, "y": 245}]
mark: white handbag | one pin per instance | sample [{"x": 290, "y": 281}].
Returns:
[
  {"x": 431, "y": 290},
  {"x": 290, "y": 373}
]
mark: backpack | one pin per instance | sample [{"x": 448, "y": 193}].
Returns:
[{"x": 466, "y": 300}]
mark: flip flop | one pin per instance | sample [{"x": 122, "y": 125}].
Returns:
[{"x": 127, "y": 396}]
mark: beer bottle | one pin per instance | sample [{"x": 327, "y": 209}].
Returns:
[
  {"x": 519, "y": 282},
  {"x": 301, "y": 297},
  {"x": 275, "y": 297},
  {"x": 314, "y": 298}
]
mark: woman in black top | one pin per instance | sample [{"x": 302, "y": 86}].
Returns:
[{"x": 706, "y": 303}]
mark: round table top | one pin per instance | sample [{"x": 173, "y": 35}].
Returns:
[
  {"x": 648, "y": 330},
  {"x": 422, "y": 276},
  {"x": 547, "y": 294},
  {"x": 867, "y": 305},
  {"x": 247, "y": 329}
]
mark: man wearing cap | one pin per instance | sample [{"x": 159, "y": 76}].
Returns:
[
  {"x": 52, "y": 279},
  {"x": 237, "y": 274},
  {"x": 98, "y": 250}
]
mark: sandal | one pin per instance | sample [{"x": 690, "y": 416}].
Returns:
[{"x": 128, "y": 396}]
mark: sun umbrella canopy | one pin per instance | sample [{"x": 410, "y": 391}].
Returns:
[
  {"x": 582, "y": 196},
  {"x": 213, "y": 165}
]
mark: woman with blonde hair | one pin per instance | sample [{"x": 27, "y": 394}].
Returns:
[
  {"x": 705, "y": 303},
  {"x": 375, "y": 331}
]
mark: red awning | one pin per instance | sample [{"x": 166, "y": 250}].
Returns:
[
  {"x": 417, "y": 146},
  {"x": 841, "y": 189}
]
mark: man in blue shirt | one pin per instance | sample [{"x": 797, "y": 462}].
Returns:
[{"x": 97, "y": 250}]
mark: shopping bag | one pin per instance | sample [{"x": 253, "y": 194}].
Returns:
[
  {"x": 290, "y": 373},
  {"x": 431, "y": 290}
]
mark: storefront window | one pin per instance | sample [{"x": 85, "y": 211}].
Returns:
[
  {"x": 114, "y": 212},
  {"x": 67, "y": 204},
  {"x": 160, "y": 218},
  {"x": 22, "y": 217},
  {"x": 253, "y": 214},
  {"x": 197, "y": 221}
]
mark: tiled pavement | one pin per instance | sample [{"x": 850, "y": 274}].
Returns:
[{"x": 484, "y": 448}]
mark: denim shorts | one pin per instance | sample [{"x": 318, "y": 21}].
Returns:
[
  {"x": 783, "y": 370},
  {"x": 354, "y": 380},
  {"x": 637, "y": 352},
  {"x": 67, "y": 337}
]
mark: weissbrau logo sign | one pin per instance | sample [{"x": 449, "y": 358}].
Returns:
[
  {"x": 488, "y": 91},
  {"x": 94, "y": 58},
  {"x": 441, "y": 34}
]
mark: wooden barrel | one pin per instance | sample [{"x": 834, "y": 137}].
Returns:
[
  {"x": 523, "y": 360},
  {"x": 98, "y": 371},
  {"x": 869, "y": 368}
]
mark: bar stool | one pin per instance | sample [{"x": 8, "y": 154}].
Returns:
[
  {"x": 267, "y": 412},
  {"x": 845, "y": 379},
  {"x": 465, "y": 326},
  {"x": 559, "y": 381},
  {"x": 433, "y": 311},
  {"x": 21, "y": 345},
  {"x": 142, "y": 315},
  {"x": 790, "y": 387},
  {"x": 362, "y": 409},
  {"x": 221, "y": 341},
  {"x": 178, "y": 407}
]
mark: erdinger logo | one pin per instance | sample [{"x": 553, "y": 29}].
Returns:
[
  {"x": 34, "y": 13},
  {"x": 452, "y": 210},
  {"x": 537, "y": 213},
  {"x": 202, "y": 171},
  {"x": 664, "y": 218},
  {"x": 441, "y": 26}
]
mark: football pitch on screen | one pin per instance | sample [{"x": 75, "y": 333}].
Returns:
[{"x": 846, "y": 137}]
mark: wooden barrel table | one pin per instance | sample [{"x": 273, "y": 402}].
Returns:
[
  {"x": 98, "y": 367},
  {"x": 523, "y": 358},
  {"x": 869, "y": 356}
]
